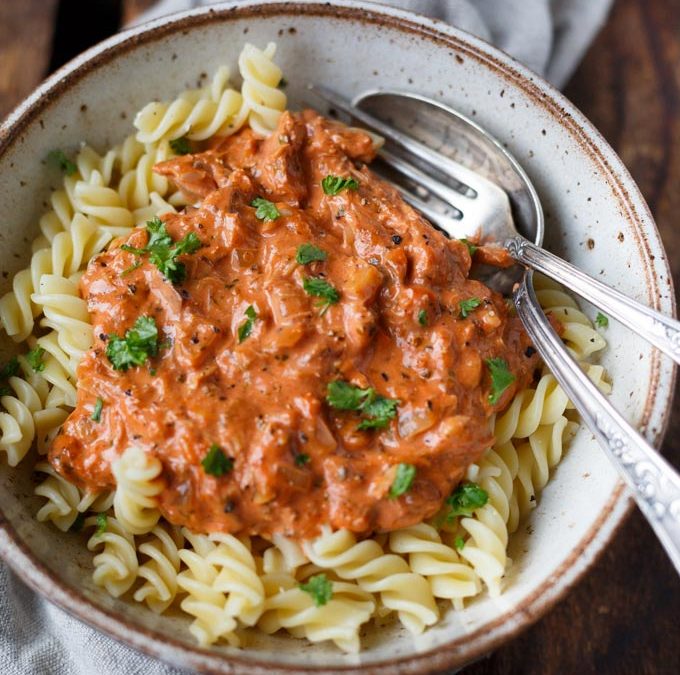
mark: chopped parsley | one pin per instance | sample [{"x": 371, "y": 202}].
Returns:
[
  {"x": 264, "y": 209},
  {"x": 302, "y": 459},
  {"x": 468, "y": 306},
  {"x": 320, "y": 288},
  {"x": 102, "y": 524},
  {"x": 58, "y": 158},
  {"x": 319, "y": 588},
  {"x": 163, "y": 252},
  {"x": 501, "y": 378},
  {"x": 35, "y": 359},
  {"x": 472, "y": 249},
  {"x": 308, "y": 253},
  {"x": 465, "y": 499},
  {"x": 377, "y": 410},
  {"x": 601, "y": 321},
  {"x": 403, "y": 480},
  {"x": 139, "y": 344},
  {"x": 332, "y": 185},
  {"x": 216, "y": 463},
  {"x": 10, "y": 369},
  {"x": 422, "y": 317},
  {"x": 181, "y": 145},
  {"x": 97, "y": 412},
  {"x": 246, "y": 328},
  {"x": 459, "y": 543}
]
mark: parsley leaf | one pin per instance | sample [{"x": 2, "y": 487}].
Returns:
[
  {"x": 345, "y": 396},
  {"x": 377, "y": 409},
  {"x": 320, "y": 288},
  {"x": 403, "y": 480},
  {"x": 78, "y": 523},
  {"x": 246, "y": 328},
  {"x": 422, "y": 317},
  {"x": 10, "y": 369},
  {"x": 139, "y": 344},
  {"x": 163, "y": 253},
  {"x": 35, "y": 359},
  {"x": 319, "y": 588},
  {"x": 459, "y": 543},
  {"x": 97, "y": 412},
  {"x": 302, "y": 459},
  {"x": 601, "y": 321},
  {"x": 181, "y": 146},
  {"x": 58, "y": 158},
  {"x": 264, "y": 209},
  {"x": 501, "y": 378},
  {"x": 332, "y": 185},
  {"x": 468, "y": 306},
  {"x": 379, "y": 412},
  {"x": 307, "y": 253},
  {"x": 102, "y": 524},
  {"x": 472, "y": 249},
  {"x": 216, "y": 463},
  {"x": 465, "y": 499}
]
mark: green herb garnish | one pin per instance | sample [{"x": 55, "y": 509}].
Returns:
[
  {"x": 302, "y": 459},
  {"x": 163, "y": 252},
  {"x": 377, "y": 409},
  {"x": 78, "y": 523},
  {"x": 601, "y": 321},
  {"x": 246, "y": 328},
  {"x": 468, "y": 306},
  {"x": 403, "y": 480},
  {"x": 10, "y": 369},
  {"x": 216, "y": 463},
  {"x": 459, "y": 543},
  {"x": 58, "y": 158},
  {"x": 472, "y": 249},
  {"x": 181, "y": 146},
  {"x": 501, "y": 378},
  {"x": 97, "y": 412},
  {"x": 139, "y": 344},
  {"x": 319, "y": 588},
  {"x": 308, "y": 253},
  {"x": 320, "y": 288},
  {"x": 102, "y": 524},
  {"x": 465, "y": 499},
  {"x": 264, "y": 209},
  {"x": 332, "y": 185},
  {"x": 35, "y": 359},
  {"x": 422, "y": 317}
]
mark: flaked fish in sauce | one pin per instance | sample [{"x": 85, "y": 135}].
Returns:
[{"x": 396, "y": 326}]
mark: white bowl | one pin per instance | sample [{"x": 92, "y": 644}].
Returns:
[{"x": 596, "y": 218}]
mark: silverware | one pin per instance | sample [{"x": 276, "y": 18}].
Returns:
[
  {"x": 465, "y": 203},
  {"x": 457, "y": 206}
]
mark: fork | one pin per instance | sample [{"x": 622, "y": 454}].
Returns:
[{"x": 471, "y": 206}]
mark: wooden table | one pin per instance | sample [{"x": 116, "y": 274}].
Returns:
[{"x": 624, "y": 616}]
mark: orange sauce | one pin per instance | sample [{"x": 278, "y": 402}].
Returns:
[{"x": 397, "y": 327}]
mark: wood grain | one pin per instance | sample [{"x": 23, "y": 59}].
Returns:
[
  {"x": 26, "y": 29},
  {"x": 622, "y": 618}
]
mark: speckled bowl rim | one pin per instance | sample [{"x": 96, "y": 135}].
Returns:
[{"x": 466, "y": 648}]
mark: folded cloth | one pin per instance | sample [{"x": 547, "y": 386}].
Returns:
[{"x": 549, "y": 36}]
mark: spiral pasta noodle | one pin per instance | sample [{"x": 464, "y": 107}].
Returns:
[{"x": 138, "y": 484}]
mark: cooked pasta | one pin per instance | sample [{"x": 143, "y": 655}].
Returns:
[{"x": 223, "y": 582}]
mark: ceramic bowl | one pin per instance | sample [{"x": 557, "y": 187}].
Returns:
[{"x": 596, "y": 218}]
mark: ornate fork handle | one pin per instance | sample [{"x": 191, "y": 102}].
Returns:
[
  {"x": 654, "y": 482},
  {"x": 661, "y": 331}
]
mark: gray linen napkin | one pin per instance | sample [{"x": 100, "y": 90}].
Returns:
[{"x": 549, "y": 36}]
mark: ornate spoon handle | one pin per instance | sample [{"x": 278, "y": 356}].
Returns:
[
  {"x": 661, "y": 331},
  {"x": 654, "y": 482}
]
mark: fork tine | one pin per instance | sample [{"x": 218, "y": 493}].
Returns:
[{"x": 425, "y": 154}]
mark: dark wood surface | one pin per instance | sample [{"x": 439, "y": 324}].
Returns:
[{"x": 623, "y": 617}]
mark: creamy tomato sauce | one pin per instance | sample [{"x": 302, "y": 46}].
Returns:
[{"x": 397, "y": 327}]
